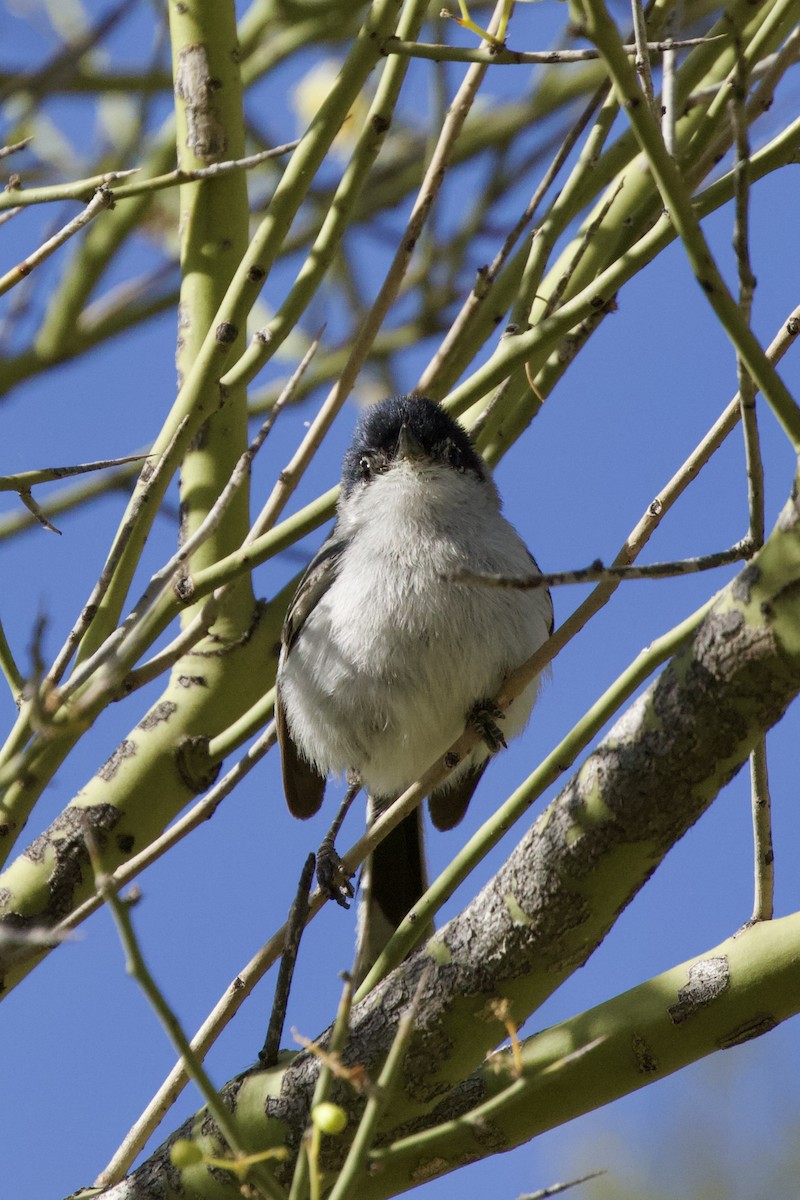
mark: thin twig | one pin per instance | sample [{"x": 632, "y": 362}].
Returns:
[
  {"x": 295, "y": 924},
  {"x": 495, "y": 57},
  {"x": 80, "y": 188},
  {"x": 669, "y": 83},
  {"x": 429, "y": 189},
  {"x": 126, "y": 640},
  {"x": 557, "y": 1189},
  {"x": 747, "y": 283},
  {"x": 64, "y": 499},
  {"x": 137, "y": 968},
  {"x": 13, "y": 675},
  {"x": 196, "y": 816},
  {"x": 764, "y": 897},
  {"x": 174, "y": 178},
  {"x": 763, "y": 902},
  {"x": 380, "y": 1096},
  {"x": 165, "y": 659},
  {"x": 581, "y": 246},
  {"x": 642, "y": 59},
  {"x": 148, "y": 480},
  {"x": 487, "y": 277},
  {"x": 762, "y": 98},
  {"x": 124, "y": 643},
  {"x": 305, "y": 1170},
  {"x": 597, "y": 573},
  {"x": 15, "y": 147},
  {"x": 102, "y": 199},
  {"x": 32, "y": 506},
  {"x": 600, "y": 29},
  {"x": 761, "y": 68},
  {"x": 668, "y": 97},
  {"x": 25, "y": 480},
  {"x": 341, "y": 207}
]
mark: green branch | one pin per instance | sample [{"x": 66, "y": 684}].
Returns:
[
  {"x": 600, "y": 28},
  {"x": 734, "y": 992}
]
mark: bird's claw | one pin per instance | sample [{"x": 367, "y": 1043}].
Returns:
[
  {"x": 483, "y": 717},
  {"x": 332, "y": 877}
]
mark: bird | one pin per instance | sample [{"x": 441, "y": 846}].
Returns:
[{"x": 386, "y": 655}]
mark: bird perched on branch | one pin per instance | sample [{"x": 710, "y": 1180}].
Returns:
[{"x": 386, "y": 657}]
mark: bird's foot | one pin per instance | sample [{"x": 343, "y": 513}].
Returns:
[
  {"x": 331, "y": 875},
  {"x": 483, "y": 718}
]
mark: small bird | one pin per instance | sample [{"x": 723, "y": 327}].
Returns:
[{"x": 385, "y": 657}]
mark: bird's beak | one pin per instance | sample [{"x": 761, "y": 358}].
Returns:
[{"x": 409, "y": 446}]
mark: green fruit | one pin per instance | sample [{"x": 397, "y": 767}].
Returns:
[
  {"x": 329, "y": 1118},
  {"x": 185, "y": 1154}
]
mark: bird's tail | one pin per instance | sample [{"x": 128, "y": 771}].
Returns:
[{"x": 393, "y": 879}]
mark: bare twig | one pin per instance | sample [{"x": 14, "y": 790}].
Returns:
[
  {"x": 125, "y": 641},
  {"x": 669, "y": 75},
  {"x": 747, "y": 282},
  {"x": 266, "y": 518},
  {"x": 581, "y": 247},
  {"x": 78, "y": 189},
  {"x": 771, "y": 62},
  {"x": 487, "y": 277},
  {"x": 8, "y": 666},
  {"x": 295, "y": 925},
  {"x": 65, "y": 499},
  {"x": 166, "y": 658},
  {"x": 102, "y": 199},
  {"x": 15, "y": 147},
  {"x": 306, "y": 1163},
  {"x": 668, "y": 99},
  {"x": 406, "y": 244},
  {"x": 597, "y": 573},
  {"x": 557, "y": 1189},
  {"x": 497, "y": 57},
  {"x": 149, "y": 481},
  {"x": 196, "y": 816},
  {"x": 355, "y": 1163},
  {"x": 137, "y": 968},
  {"x": 642, "y": 59},
  {"x": 33, "y": 507},
  {"x": 763, "y": 902},
  {"x": 25, "y": 480}
]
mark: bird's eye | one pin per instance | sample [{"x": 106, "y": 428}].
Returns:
[
  {"x": 365, "y": 467},
  {"x": 453, "y": 456}
]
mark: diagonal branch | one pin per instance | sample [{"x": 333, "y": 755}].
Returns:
[{"x": 579, "y": 865}]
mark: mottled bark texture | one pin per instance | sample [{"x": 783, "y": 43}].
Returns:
[{"x": 563, "y": 886}]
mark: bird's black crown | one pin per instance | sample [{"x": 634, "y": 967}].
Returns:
[{"x": 376, "y": 436}]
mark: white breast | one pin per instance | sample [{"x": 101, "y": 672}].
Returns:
[{"x": 394, "y": 656}]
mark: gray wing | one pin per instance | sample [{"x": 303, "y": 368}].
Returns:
[
  {"x": 551, "y": 622},
  {"x": 317, "y": 578},
  {"x": 303, "y": 786}
]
